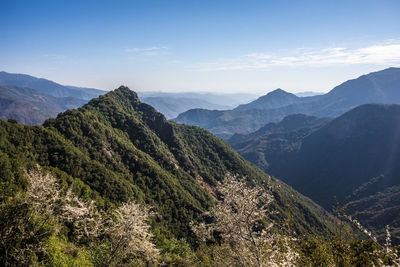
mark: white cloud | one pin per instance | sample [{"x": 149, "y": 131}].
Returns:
[
  {"x": 148, "y": 51},
  {"x": 383, "y": 54}
]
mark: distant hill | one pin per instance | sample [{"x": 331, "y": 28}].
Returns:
[
  {"x": 32, "y": 100},
  {"x": 354, "y": 158},
  {"x": 171, "y": 107},
  {"x": 230, "y": 100},
  {"x": 29, "y": 106},
  {"x": 308, "y": 93},
  {"x": 377, "y": 87},
  {"x": 275, "y": 99},
  {"x": 273, "y": 143},
  {"x": 48, "y": 87}
]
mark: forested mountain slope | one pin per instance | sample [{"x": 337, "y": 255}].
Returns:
[{"x": 124, "y": 149}]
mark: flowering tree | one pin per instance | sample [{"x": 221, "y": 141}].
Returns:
[
  {"x": 239, "y": 225},
  {"x": 27, "y": 220},
  {"x": 130, "y": 237},
  {"x": 116, "y": 238}
]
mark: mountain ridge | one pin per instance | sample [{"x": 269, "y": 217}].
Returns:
[
  {"x": 29, "y": 106},
  {"x": 173, "y": 106},
  {"x": 381, "y": 86},
  {"x": 47, "y": 87}
]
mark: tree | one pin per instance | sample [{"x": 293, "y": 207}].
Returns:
[
  {"x": 28, "y": 220},
  {"x": 45, "y": 211},
  {"x": 239, "y": 225},
  {"x": 130, "y": 237}
]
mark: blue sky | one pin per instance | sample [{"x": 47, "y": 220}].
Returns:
[{"x": 216, "y": 45}]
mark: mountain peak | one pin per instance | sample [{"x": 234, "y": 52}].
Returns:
[
  {"x": 125, "y": 93},
  {"x": 278, "y": 91},
  {"x": 274, "y": 99},
  {"x": 124, "y": 88}
]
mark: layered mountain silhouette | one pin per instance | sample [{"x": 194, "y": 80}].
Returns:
[
  {"x": 54, "y": 98},
  {"x": 29, "y": 106},
  {"x": 273, "y": 143},
  {"x": 308, "y": 93},
  {"x": 230, "y": 100},
  {"x": 31, "y": 100},
  {"x": 121, "y": 148},
  {"x": 377, "y": 87},
  {"x": 173, "y": 106},
  {"x": 353, "y": 159},
  {"x": 48, "y": 87}
]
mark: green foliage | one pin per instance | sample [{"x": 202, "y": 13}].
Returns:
[
  {"x": 337, "y": 251},
  {"x": 60, "y": 252},
  {"x": 176, "y": 252}
]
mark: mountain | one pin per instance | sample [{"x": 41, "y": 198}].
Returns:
[
  {"x": 84, "y": 92},
  {"x": 28, "y": 110},
  {"x": 48, "y": 87},
  {"x": 224, "y": 123},
  {"x": 275, "y": 99},
  {"x": 230, "y": 100},
  {"x": 273, "y": 143},
  {"x": 29, "y": 106},
  {"x": 381, "y": 86},
  {"x": 308, "y": 93},
  {"x": 120, "y": 149},
  {"x": 173, "y": 106},
  {"x": 353, "y": 158},
  {"x": 376, "y": 87}
]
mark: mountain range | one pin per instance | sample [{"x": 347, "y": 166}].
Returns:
[
  {"x": 308, "y": 93},
  {"x": 273, "y": 142},
  {"x": 33, "y": 100},
  {"x": 48, "y": 87},
  {"x": 375, "y": 87},
  {"x": 230, "y": 100},
  {"x": 116, "y": 129},
  {"x": 173, "y": 104},
  {"x": 171, "y": 107},
  {"x": 117, "y": 148},
  {"x": 29, "y": 106},
  {"x": 353, "y": 159}
]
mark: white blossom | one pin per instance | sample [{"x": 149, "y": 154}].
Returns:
[{"x": 240, "y": 221}]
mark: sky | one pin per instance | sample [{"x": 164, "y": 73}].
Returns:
[{"x": 220, "y": 46}]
